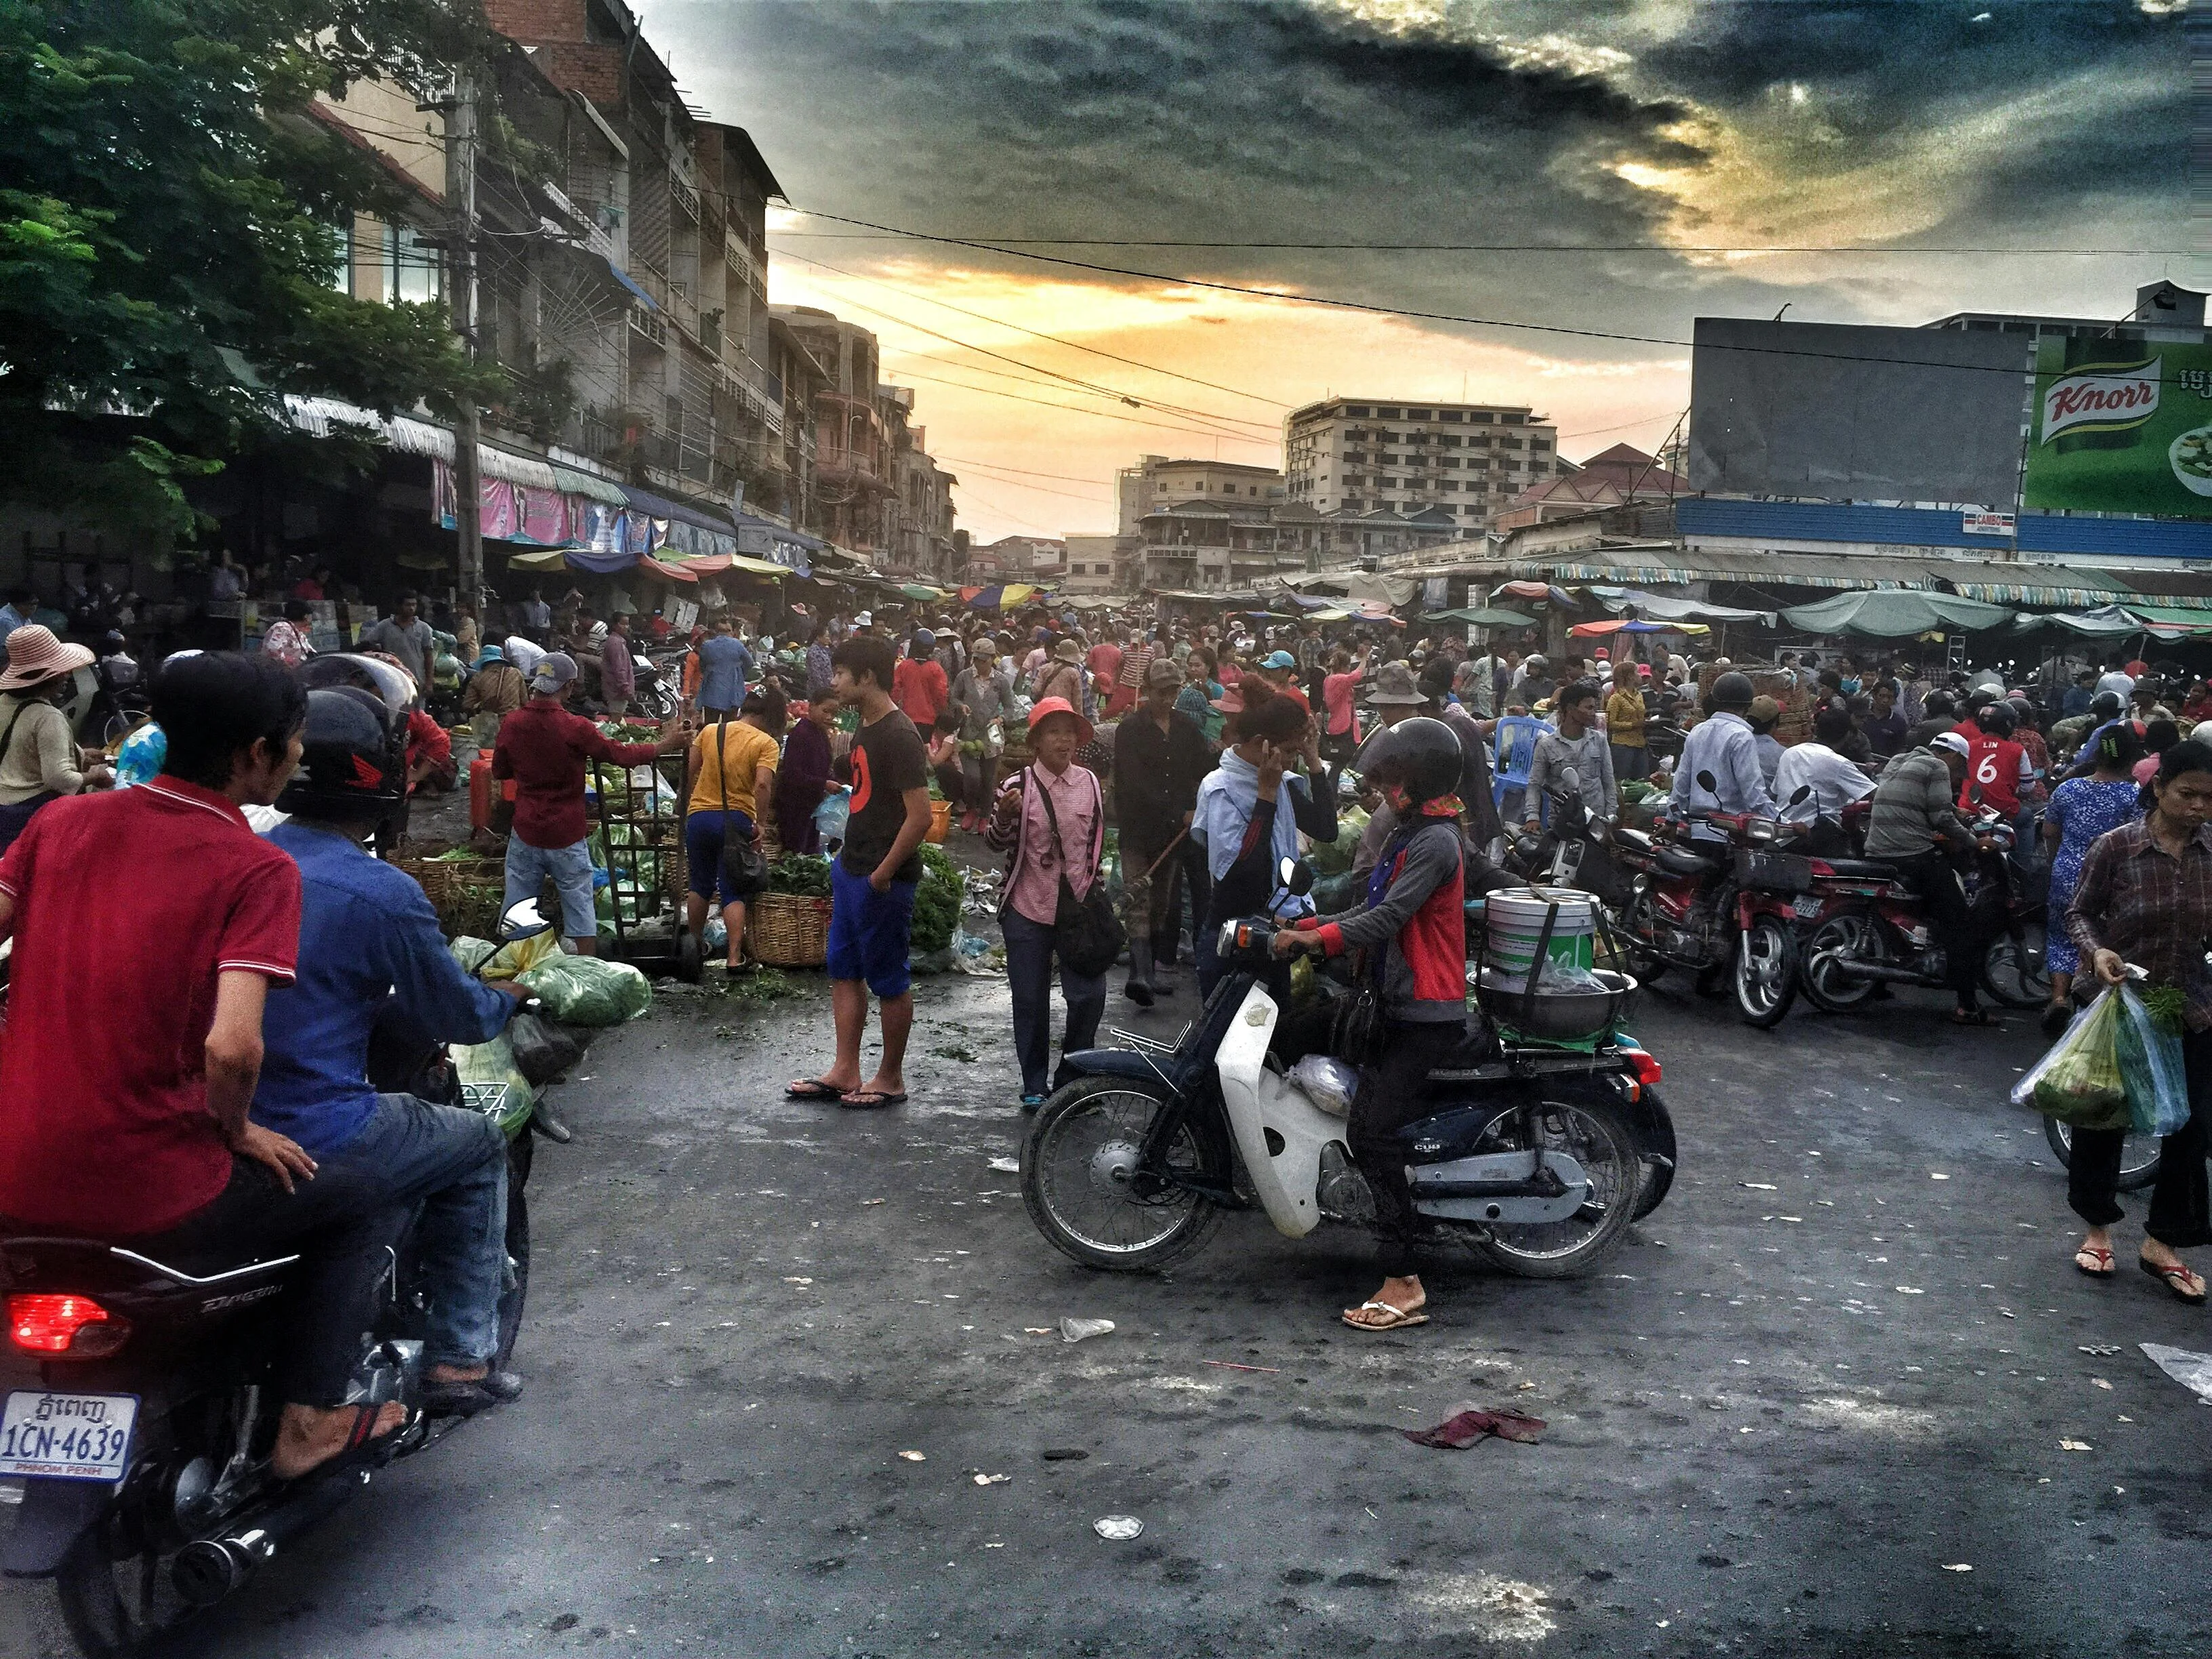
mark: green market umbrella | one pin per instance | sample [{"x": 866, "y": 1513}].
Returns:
[{"x": 1895, "y": 613}]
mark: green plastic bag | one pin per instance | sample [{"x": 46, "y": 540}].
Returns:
[
  {"x": 2151, "y": 1068},
  {"x": 2079, "y": 1081},
  {"x": 589, "y": 990}
]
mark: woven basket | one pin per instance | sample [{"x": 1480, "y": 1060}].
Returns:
[
  {"x": 940, "y": 821},
  {"x": 789, "y": 930},
  {"x": 468, "y": 894}
]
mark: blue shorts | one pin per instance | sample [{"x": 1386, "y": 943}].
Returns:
[
  {"x": 704, "y": 834},
  {"x": 869, "y": 931}
]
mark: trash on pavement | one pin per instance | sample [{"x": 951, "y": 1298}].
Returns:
[
  {"x": 2192, "y": 1371},
  {"x": 1957, "y": 1566},
  {"x": 1762, "y": 1187},
  {"x": 1076, "y": 1330},
  {"x": 2075, "y": 1445},
  {"x": 1063, "y": 1454},
  {"x": 1456, "y": 1433},
  {"x": 912, "y": 1457},
  {"x": 2105, "y": 1350},
  {"x": 1006, "y": 1165},
  {"x": 1119, "y": 1527},
  {"x": 1231, "y": 1365},
  {"x": 993, "y": 1480}
]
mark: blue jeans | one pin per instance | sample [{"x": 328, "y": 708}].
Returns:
[
  {"x": 570, "y": 867},
  {"x": 453, "y": 1164},
  {"x": 1029, "y": 977}
]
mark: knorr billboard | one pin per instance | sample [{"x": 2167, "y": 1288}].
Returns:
[{"x": 2122, "y": 427}]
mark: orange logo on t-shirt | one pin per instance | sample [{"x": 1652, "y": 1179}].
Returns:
[{"x": 861, "y": 781}]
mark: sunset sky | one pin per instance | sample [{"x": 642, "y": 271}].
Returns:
[{"x": 1650, "y": 130}]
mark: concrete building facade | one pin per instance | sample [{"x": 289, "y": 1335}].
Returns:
[{"x": 1465, "y": 461}]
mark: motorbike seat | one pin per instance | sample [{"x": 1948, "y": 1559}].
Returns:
[
  {"x": 1478, "y": 1046},
  {"x": 1680, "y": 861},
  {"x": 1864, "y": 868}
]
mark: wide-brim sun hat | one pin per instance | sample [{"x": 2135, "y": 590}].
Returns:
[
  {"x": 1050, "y": 706},
  {"x": 35, "y": 656}
]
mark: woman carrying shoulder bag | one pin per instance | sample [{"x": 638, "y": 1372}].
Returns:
[
  {"x": 731, "y": 772},
  {"x": 1050, "y": 820},
  {"x": 39, "y": 760}
]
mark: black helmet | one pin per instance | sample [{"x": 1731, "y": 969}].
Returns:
[
  {"x": 1732, "y": 690},
  {"x": 391, "y": 686},
  {"x": 2106, "y": 706},
  {"x": 1420, "y": 756},
  {"x": 353, "y": 760}
]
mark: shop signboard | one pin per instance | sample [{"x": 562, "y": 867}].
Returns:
[{"x": 2121, "y": 426}]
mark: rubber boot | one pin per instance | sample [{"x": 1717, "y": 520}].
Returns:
[
  {"x": 1163, "y": 956},
  {"x": 1139, "y": 990}
]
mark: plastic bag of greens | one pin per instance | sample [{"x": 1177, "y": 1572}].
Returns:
[
  {"x": 2079, "y": 1081},
  {"x": 2150, "y": 1065},
  {"x": 589, "y": 990},
  {"x": 491, "y": 1063},
  {"x": 470, "y": 952},
  {"x": 517, "y": 956}
]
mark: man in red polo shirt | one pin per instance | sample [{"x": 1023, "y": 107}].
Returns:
[
  {"x": 543, "y": 747},
  {"x": 149, "y": 926}
]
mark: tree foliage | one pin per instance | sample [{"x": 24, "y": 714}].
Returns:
[{"x": 171, "y": 216}]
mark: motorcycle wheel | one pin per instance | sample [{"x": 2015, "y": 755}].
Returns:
[
  {"x": 1766, "y": 963},
  {"x": 1644, "y": 923},
  {"x": 2139, "y": 1154},
  {"x": 117, "y": 1608},
  {"x": 520, "y": 1151},
  {"x": 1826, "y": 989},
  {"x": 1599, "y": 1139},
  {"x": 1078, "y": 1163},
  {"x": 2014, "y": 971}
]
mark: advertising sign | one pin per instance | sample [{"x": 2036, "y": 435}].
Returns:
[
  {"x": 1985, "y": 523},
  {"x": 2122, "y": 426}
]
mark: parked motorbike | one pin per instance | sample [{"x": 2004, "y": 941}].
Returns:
[
  {"x": 1539, "y": 1157},
  {"x": 143, "y": 1451},
  {"x": 1571, "y": 850},
  {"x": 1680, "y": 911},
  {"x": 1870, "y": 929}
]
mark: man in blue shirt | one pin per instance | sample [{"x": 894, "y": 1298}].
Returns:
[
  {"x": 22, "y": 602},
  {"x": 1723, "y": 746},
  {"x": 725, "y": 666},
  {"x": 371, "y": 951}
]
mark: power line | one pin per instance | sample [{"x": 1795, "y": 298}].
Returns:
[
  {"x": 1074, "y": 345},
  {"x": 1026, "y": 523},
  {"x": 1501, "y": 247},
  {"x": 1094, "y": 387},
  {"x": 1065, "y": 477},
  {"x": 990, "y": 477},
  {"x": 1071, "y": 409},
  {"x": 1371, "y": 309},
  {"x": 1051, "y": 386}
]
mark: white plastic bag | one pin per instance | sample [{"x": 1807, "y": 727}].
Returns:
[{"x": 1328, "y": 1083}]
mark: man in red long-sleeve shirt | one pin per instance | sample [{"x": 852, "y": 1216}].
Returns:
[{"x": 543, "y": 747}]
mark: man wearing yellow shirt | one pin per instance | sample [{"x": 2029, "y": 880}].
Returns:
[{"x": 730, "y": 790}]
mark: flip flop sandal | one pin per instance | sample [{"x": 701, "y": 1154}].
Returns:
[
  {"x": 1398, "y": 1319},
  {"x": 2177, "y": 1280},
  {"x": 363, "y": 1446},
  {"x": 2105, "y": 1270},
  {"x": 815, "y": 1089},
  {"x": 870, "y": 1100}
]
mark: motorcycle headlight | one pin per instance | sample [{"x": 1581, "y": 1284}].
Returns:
[{"x": 1759, "y": 832}]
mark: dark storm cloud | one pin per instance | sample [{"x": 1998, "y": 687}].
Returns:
[{"x": 1276, "y": 121}]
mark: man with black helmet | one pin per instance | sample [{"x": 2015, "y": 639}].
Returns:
[
  {"x": 1723, "y": 746},
  {"x": 371, "y": 948},
  {"x": 1413, "y": 927}
]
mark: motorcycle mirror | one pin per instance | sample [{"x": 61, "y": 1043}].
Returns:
[
  {"x": 1572, "y": 778},
  {"x": 522, "y": 919},
  {"x": 1804, "y": 793},
  {"x": 1709, "y": 783},
  {"x": 1297, "y": 876}
]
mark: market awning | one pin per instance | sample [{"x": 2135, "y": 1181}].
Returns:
[
  {"x": 1483, "y": 617},
  {"x": 2179, "y": 619},
  {"x": 1665, "y": 607},
  {"x": 996, "y": 596},
  {"x": 1895, "y": 613},
  {"x": 1629, "y": 625},
  {"x": 2103, "y": 622},
  {"x": 573, "y": 483},
  {"x": 667, "y": 569}
]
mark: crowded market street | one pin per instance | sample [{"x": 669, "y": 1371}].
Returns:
[{"x": 1842, "y": 1363}]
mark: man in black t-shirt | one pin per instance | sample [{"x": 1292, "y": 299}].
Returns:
[{"x": 872, "y": 881}]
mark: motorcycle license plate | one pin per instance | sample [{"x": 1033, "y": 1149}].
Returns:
[
  {"x": 67, "y": 1437},
  {"x": 1806, "y": 907}
]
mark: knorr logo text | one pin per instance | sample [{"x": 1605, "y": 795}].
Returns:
[{"x": 2108, "y": 398}]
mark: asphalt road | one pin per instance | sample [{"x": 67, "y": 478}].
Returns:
[{"x": 1782, "y": 1416}]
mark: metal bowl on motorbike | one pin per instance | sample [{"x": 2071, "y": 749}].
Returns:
[{"x": 1556, "y": 1015}]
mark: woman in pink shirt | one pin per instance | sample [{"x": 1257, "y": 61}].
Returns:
[
  {"x": 1051, "y": 820},
  {"x": 1340, "y": 734}
]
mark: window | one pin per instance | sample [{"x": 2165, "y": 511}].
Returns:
[
  {"x": 1386, "y": 414},
  {"x": 1512, "y": 418},
  {"x": 1451, "y": 417},
  {"x": 1478, "y": 443},
  {"x": 1350, "y": 479},
  {"x": 1352, "y": 503},
  {"x": 1451, "y": 460},
  {"x": 1479, "y": 417},
  {"x": 1509, "y": 443},
  {"x": 1359, "y": 410},
  {"x": 1386, "y": 484},
  {"x": 1451, "y": 443},
  {"x": 1417, "y": 414}
]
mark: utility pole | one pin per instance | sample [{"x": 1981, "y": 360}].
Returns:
[{"x": 461, "y": 296}]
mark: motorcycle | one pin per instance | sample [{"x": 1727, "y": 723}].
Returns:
[
  {"x": 1571, "y": 850},
  {"x": 1680, "y": 912},
  {"x": 143, "y": 1451},
  {"x": 1539, "y": 1157},
  {"x": 1870, "y": 929}
]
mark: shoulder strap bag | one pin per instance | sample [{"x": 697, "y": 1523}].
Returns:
[
  {"x": 745, "y": 867},
  {"x": 1085, "y": 931}
]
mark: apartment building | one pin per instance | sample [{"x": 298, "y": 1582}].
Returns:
[
  {"x": 1465, "y": 461},
  {"x": 1157, "y": 479}
]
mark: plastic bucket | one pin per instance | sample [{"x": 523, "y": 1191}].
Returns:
[{"x": 1514, "y": 923}]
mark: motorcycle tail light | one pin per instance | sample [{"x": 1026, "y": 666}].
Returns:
[
  {"x": 1646, "y": 1067},
  {"x": 66, "y": 1327}
]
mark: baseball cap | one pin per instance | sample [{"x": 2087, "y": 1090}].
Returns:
[
  {"x": 1952, "y": 741},
  {"x": 553, "y": 672},
  {"x": 1164, "y": 671},
  {"x": 1279, "y": 660}
]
